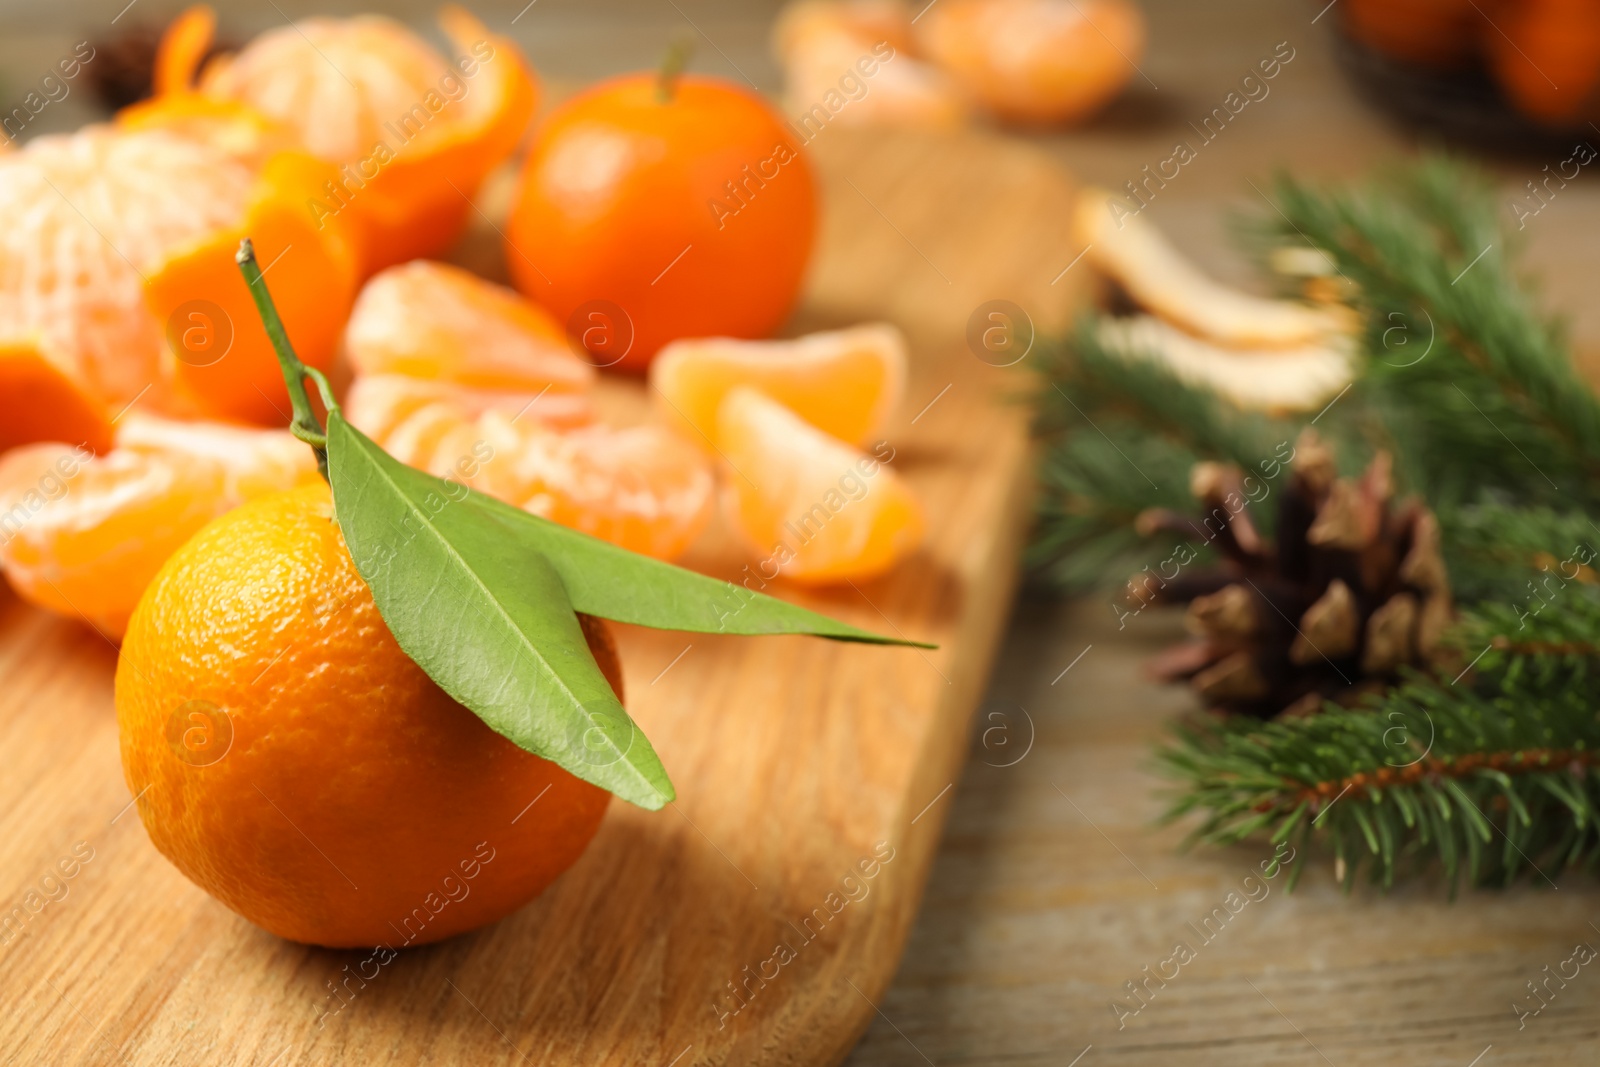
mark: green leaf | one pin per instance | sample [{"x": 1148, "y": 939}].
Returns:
[
  {"x": 613, "y": 583},
  {"x": 486, "y": 615}
]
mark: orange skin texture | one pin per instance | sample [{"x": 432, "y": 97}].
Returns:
[
  {"x": 338, "y": 738},
  {"x": 313, "y": 288},
  {"x": 1548, "y": 58},
  {"x": 619, "y": 183}
]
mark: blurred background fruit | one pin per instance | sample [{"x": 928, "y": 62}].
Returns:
[
  {"x": 1480, "y": 70},
  {"x": 665, "y": 207},
  {"x": 1037, "y": 62},
  {"x": 853, "y": 62},
  {"x": 1547, "y": 58},
  {"x": 1433, "y": 33}
]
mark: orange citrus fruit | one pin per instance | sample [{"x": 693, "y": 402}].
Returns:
[
  {"x": 811, "y": 507},
  {"x": 289, "y": 758},
  {"x": 870, "y": 21},
  {"x": 82, "y": 535},
  {"x": 411, "y": 133},
  {"x": 1546, "y": 55},
  {"x": 653, "y": 210},
  {"x": 642, "y": 488},
  {"x": 440, "y": 323},
  {"x": 851, "y": 64},
  {"x": 845, "y": 383},
  {"x": 1039, "y": 62},
  {"x": 88, "y": 216},
  {"x": 1433, "y": 33}
]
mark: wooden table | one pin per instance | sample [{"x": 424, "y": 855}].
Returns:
[{"x": 1051, "y": 890}]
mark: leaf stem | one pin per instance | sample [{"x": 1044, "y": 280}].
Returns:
[
  {"x": 679, "y": 52},
  {"x": 304, "y": 425}
]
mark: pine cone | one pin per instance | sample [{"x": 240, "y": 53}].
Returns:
[{"x": 1353, "y": 589}]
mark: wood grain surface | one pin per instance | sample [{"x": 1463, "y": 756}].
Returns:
[
  {"x": 799, "y": 763},
  {"x": 1052, "y": 888}
]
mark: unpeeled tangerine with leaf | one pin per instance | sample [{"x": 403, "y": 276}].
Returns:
[{"x": 376, "y": 715}]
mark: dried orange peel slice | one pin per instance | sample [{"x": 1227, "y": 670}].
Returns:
[
  {"x": 1131, "y": 251},
  {"x": 221, "y": 357}
]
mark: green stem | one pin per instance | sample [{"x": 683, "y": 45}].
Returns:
[
  {"x": 679, "y": 52},
  {"x": 304, "y": 425}
]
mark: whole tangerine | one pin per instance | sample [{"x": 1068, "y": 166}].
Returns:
[
  {"x": 1546, "y": 55},
  {"x": 289, "y": 758},
  {"x": 654, "y": 208}
]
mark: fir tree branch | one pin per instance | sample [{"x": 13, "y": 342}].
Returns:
[
  {"x": 1497, "y": 395},
  {"x": 1491, "y": 774}
]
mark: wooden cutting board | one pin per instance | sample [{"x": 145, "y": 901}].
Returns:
[{"x": 801, "y": 765}]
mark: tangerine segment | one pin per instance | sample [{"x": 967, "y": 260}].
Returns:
[
  {"x": 222, "y": 356},
  {"x": 40, "y": 400},
  {"x": 378, "y": 402},
  {"x": 85, "y": 215},
  {"x": 811, "y": 507},
  {"x": 263, "y": 705},
  {"x": 641, "y": 488},
  {"x": 254, "y": 462},
  {"x": 434, "y": 321},
  {"x": 83, "y": 535},
  {"x": 845, "y": 383}
]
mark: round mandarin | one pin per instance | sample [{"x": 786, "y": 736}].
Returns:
[
  {"x": 290, "y": 759},
  {"x": 650, "y": 212}
]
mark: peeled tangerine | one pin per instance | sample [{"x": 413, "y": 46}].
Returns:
[
  {"x": 844, "y": 382},
  {"x": 413, "y": 134},
  {"x": 88, "y": 216},
  {"x": 1036, "y": 61},
  {"x": 850, "y": 62},
  {"x": 83, "y": 535},
  {"x": 640, "y": 488},
  {"x": 482, "y": 344},
  {"x": 813, "y": 508}
]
